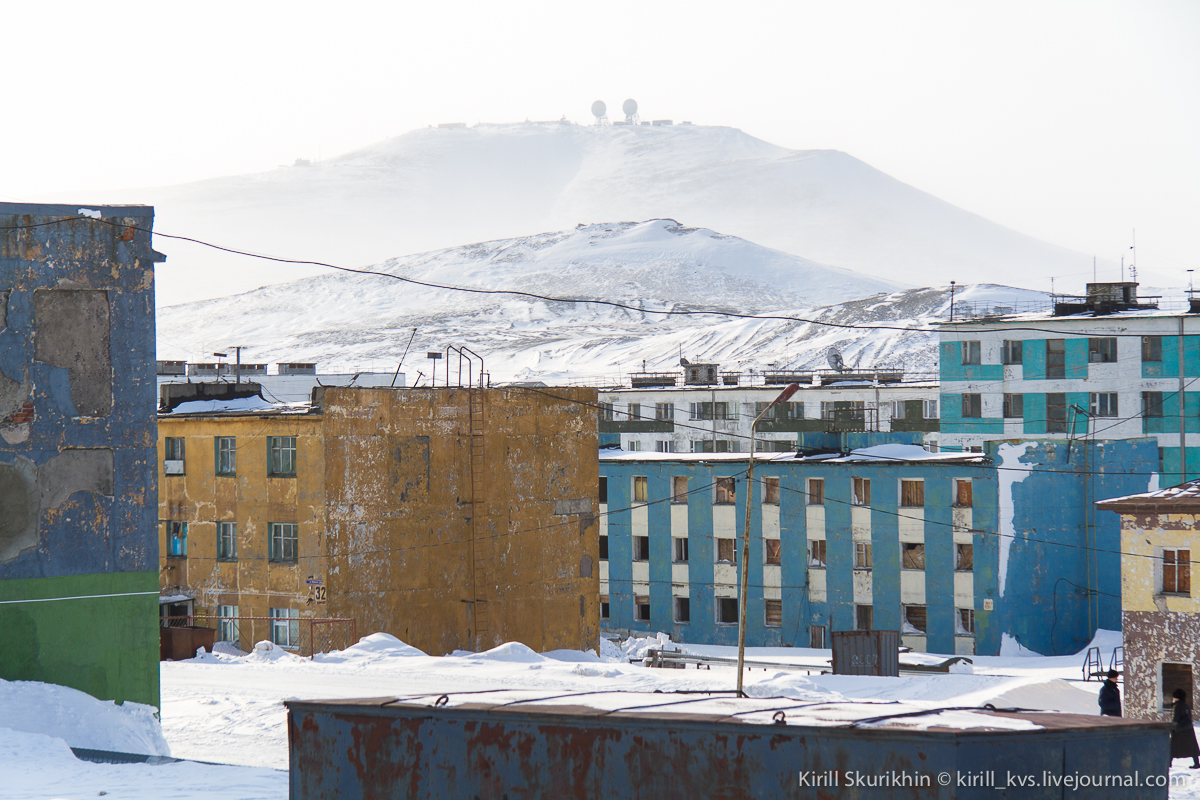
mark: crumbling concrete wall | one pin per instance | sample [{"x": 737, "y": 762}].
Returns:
[
  {"x": 1157, "y": 627},
  {"x": 453, "y": 527},
  {"x": 78, "y": 555},
  {"x": 252, "y": 500}
]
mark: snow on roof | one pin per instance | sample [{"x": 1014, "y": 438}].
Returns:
[
  {"x": 240, "y": 404},
  {"x": 1183, "y": 496}
]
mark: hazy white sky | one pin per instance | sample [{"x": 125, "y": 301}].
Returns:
[{"x": 1071, "y": 121}]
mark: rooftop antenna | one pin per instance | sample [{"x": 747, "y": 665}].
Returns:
[
  {"x": 630, "y": 109},
  {"x": 397, "y": 375},
  {"x": 1133, "y": 266},
  {"x": 598, "y": 111},
  {"x": 952, "y": 300}
]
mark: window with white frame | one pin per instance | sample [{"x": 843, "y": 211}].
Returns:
[
  {"x": 664, "y": 412},
  {"x": 226, "y": 453},
  {"x": 1012, "y": 351},
  {"x": 971, "y": 352},
  {"x": 1103, "y": 404},
  {"x": 816, "y": 553},
  {"x": 227, "y": 625},
  {"x": 281, "y": 456},
  {"x": 931, "y": 409},
  {"x": 862, "y": 555},
  {"x": 664, "y": 446},
  {"x": 285, "y": 627},
  {"x": 634, "y": 411},
  {"x": 641, "y": 488}
]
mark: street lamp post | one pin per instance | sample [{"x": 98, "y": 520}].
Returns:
[{"x": 791, "y": 389}]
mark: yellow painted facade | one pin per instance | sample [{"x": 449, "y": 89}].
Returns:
[
  {"x": 251, "y": 581},
  {"x": 450, "y": 518}
]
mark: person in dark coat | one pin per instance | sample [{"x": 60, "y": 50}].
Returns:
[
  {"x": 1183, "y": 735},
  {"x": 1110, "y": 696}
]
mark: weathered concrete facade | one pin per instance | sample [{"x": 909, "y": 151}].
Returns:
[
  {"x": 463, "y": 518},
  {"x": 1160, "y": 613},
  {"x": 78, "y": 488},
  {"x": 450, "y": 518},
  {"x": 243, "y": 577}
]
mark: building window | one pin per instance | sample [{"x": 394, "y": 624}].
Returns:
[
  {"x": 912, "y": 493},
  {"x": 1176, "y": 572},
  {"x": 604, "y": 547},
  {"x": 1011, "y": 352},
  {"x": 284, "y": 541},
  {"x": 714, "y": 446},
  {"x": 680, "y": 547},
  {"x": 843, "y": 410},
  {"x": 966, "y": 622},
  {"x": 816, "y": 491},
  {"x": 862, "y": 492},
  {"x": 725, "y": 492},
  {"x": 227, "y": 625},
  {"x": 679, "y": 490},
  {"x": 862, "y": 555},
  {"x": 727, "y": 551},
  {"x": 1102, "y": 351},
  {"x": 1056, "y": 358},
  {"x": 641, "y": 548},
  {"x": 173, "y": 455},
  {"x": 930, "y": 410},
  {"x": 773, "y": 613},
  {"x": 1152, "y": 404},
  {"x": 1152, "y": 348},
  {"x": 913, "y": 554},
  {"x": 964, "y": 557},
  {"x": 641, "y": 488},
  {"x": 970, "y": 352},
  {"x": 816, "y": 553},
  {"x": 862, "y": 618},
  {"x": 771, "y": 491},
  {"x": 633, "y": 411},
  {"x": 773, "y": 549},
  {"x": 227, "y": 541},
  {"x": 606, "y": 412},
  {"x": 1103, "y": 404},
  {"x": 664, "y": 446},
  {"x": 664, "y": 411},
  {"x": 177, "y": 539},
  {"x": 897, "y": 409},
  {"x": 914, "y": 621},
  {"x": 285, "y": 627},
  {"x": 1174, "y": 676},
  {"x": 963, "y": 494},
  {"x": 712, "y": 411},
  {"x": 281, "y": 461},
  {"x": 603, "y": 489},
  {"x": 1014, "y": 406},
  {"x": 1056, "y": 412},
  {"x": 641, "y": 608},
  {"x": 727, "y": 611},
  {"x": 226, "y": 455},
  {"x": 683, "y": 610},
  {"x": 634, "y": 445},
  {"x": 603, "y": 607},
  {"x": 816, "y": 637},
  {"x": 972, "y": 406}
]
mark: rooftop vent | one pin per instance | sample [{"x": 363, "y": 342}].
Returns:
[{"x": 1103, "y": 298}]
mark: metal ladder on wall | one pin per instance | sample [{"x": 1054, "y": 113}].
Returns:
[{"x": 481, "y": 544}]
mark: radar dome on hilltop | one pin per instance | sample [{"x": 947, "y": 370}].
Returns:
[
  {"x": 630, "y": 109},
  {"x": 598, "y": 111}
]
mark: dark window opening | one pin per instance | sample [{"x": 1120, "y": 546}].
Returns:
[
  {"x": 641, "y": 548},
  {"x": 727, "y": 611},
  {"x": 683, "y": 609}
]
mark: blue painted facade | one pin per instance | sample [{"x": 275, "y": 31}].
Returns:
[
  {"x": 78, "y": 466},
  {"x": 1045, "y": 554}
]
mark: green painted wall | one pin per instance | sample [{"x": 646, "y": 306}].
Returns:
[{"x": 105, "y": 646}]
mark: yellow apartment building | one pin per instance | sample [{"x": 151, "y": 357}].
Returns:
[{"x": 1160, "y": 615}]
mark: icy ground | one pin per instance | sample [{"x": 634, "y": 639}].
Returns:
[{"x": 226, "y": 707}]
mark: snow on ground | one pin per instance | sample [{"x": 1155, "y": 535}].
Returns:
[{"x": 226, "y": 707}]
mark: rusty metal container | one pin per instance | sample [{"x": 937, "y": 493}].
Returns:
[
  {"x": 179, "y": 643},
  {"x": 866, "y": 653},
  {"x": 427, "y": 747}
]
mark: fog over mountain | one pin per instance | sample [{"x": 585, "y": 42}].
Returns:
[{"x": 435, "y": 188}]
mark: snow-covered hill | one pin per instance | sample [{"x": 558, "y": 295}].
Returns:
[
  {"x": 441, "y": 187},
  {"x": 353, "y": 321}
]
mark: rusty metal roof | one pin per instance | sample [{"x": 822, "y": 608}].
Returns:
[{"x": 1184, "y": 498}]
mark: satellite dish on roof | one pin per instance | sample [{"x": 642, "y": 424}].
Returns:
[
  {"x": 598, "y": 109},
  {"x": 835, "y": 359},
  {"x": 683, "y": 362}
]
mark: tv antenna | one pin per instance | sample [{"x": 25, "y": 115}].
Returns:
[
  {"x": 598, "y": 111},
  {"x": 630, "y": 109}
]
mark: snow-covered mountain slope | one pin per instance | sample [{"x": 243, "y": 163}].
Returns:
[
  {"x": 440, "y": 187},
  {"x": 353, "y": 321}
]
